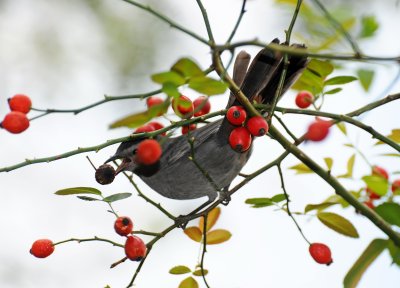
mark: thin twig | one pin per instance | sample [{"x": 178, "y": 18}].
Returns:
[
  {"x": 206, "y": 22},
  {"x": 95, "y": 238},
  {"x": 204, "y": 249},
  {"x": 287, "y": 203},
  {"x": 242, "y": 11}
]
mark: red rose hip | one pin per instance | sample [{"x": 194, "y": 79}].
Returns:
[
  {"x": 123, "y": 225},
  {"x": 187, "y": 128},
  {"x": 148, "y": 152},
  {"x": 396, "y": 186},
  {"x": 257, "y": 126},
  {"x": 379, "y": 171},
  {"x": 15, "y": 122},
  {"x": 318, "y": 130},
  {"x": 304, "y": 99},
  {"x": 42, "y": 248},
  {"x": 135, "y": 249},
  {"x": 153, "y": 100},
  {"x": 201, "y": 106},
  {"x": 20, "y": 103},
  {"x": 320, "y": 253},
  {"x": 184, "y": 108},
  {"x": 240, "y": 139},
  {"x": 236, "y": 115}
]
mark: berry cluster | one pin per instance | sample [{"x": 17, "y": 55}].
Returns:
[
  {"x": 135, "y": 249},
  {"x": 184, "y": 108},
  {"x": 16, "y": 121},
  {"x": 241, "y": 137}
]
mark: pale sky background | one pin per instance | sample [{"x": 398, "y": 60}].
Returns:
[{"x": 67, "y": 54}]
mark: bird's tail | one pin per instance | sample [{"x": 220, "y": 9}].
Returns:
[{"x": 261, "y": 80}]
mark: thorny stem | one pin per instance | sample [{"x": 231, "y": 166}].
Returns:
[
  {"x": 206, "y": 22},
  {"x": 278, "y": 91},
  {"x": 95, "y": 238},
  {"x": 285, "y": 127},
  {"x": 287, "y": 203},
  {"x": 204, "y": 250}
]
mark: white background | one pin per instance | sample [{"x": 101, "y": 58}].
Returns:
[{"x": 65, "y": 55}]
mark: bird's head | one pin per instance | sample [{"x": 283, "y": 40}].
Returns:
[{"x": 126, "y": 152}]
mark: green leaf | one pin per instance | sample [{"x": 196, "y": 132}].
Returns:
[
  {"x": 390, "y": 212},
  {"x": 168, "y": 77},
  {"x": 138, "y": 119},
  {"x": 264, "y": 202},
  {"x": 218, "y": 236},
  {"x": 278, "y": 198},
  {"x": 171, "y": 90},
  {"x": 365, "y": 76},
  {"x": 187, "y": 68},
  {"x": 194, "y": 233},
  {"x": 321, "y": 68},
  {"x": 391, "y": 154},
  {"x": 78, "y": 190},
  {"x": 377, "y": 184},
  {"x": 350, "y": 166},
  {"x": 333, "y": 91},
  {"x": 340, "y": 80},
  {"x": 337, "y": 199},
  {"x": 207, "y": 85},
  {"x": 309, "y": 81},
  {"x": 87, "y": 198},
  {"x": 116, "y": 197},
  {"x": 198, "y": 272},
  {"x": 338, "y": 224},
  {"x": 319, "y": 207},
  {"x": 189, "y": 283},
  {"x": 369, "y": 25},
  {"x": 374, "y": 249},
  {"x": 301, "y": 169},
  {"x": 177, "y": 270},
  {"x": 342, "y": 127},
  {"x": 328, "y": 162},
  {"x": 394, "y": 252}
]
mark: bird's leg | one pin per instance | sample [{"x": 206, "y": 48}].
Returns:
[
  {"x": 182, "y": 220},
  {"x": 225, "y": 196}
]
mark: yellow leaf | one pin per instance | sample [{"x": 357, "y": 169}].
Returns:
[
  {"x": 189, "y": 283},
  {"x": 193, "y": 233},
  {"x": 212, "y": 218},
  {"x": 218, "y": 236}
]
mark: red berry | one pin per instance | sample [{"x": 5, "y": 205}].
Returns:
[
  {"x": 257, "y": 126},
  {"x": 145, "y": 128},
  {"x": 379, "y": 171},
  {"x": 184, "y": 106},
  {"x": 318, "y": 130},
  {"x": 240, "y": 139},
  {"x": 371, "y": 194},
  {"x": 20, "y": 103},
  {"x": 370, "y": 204},
  {"x": 236, "y": 115},
  {"x": 148, "y": 152},
  {"x": 123, "y": 225},
  {"x": 42, "y": 248},
  {"x": 153, "y": 100},
  {"x": 396, "y": 186},
  {"x": 320, "y": 253},
  {"x": 135, "y": 249},
  {"x": 201, "y": 106},
  {"x": 304, "y": 99},
  {"x": 157, "y": 126},
  {"x": 187, "y": 128},
  {"x": 15, "y": 122}
]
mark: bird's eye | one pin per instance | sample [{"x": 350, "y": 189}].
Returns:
[{"x": 134, "y": 151}]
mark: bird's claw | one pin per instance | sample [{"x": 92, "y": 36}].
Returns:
[{"x": 225, "y": 198}]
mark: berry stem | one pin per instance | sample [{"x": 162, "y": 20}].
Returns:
[{"x": 95, "y": 238}]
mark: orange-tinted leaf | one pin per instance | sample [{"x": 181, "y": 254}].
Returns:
[
  {"x": 189, "y": 283},
  {"x": 194, "y": 233},
  {"x": 218, "y": 236},
  {"x": 212, "y": 218}
]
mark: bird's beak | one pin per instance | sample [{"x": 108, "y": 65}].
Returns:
[{"x": 124, "y": 164}]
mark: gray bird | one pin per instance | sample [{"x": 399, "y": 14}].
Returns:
[{"x": 175, "y": 175}]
